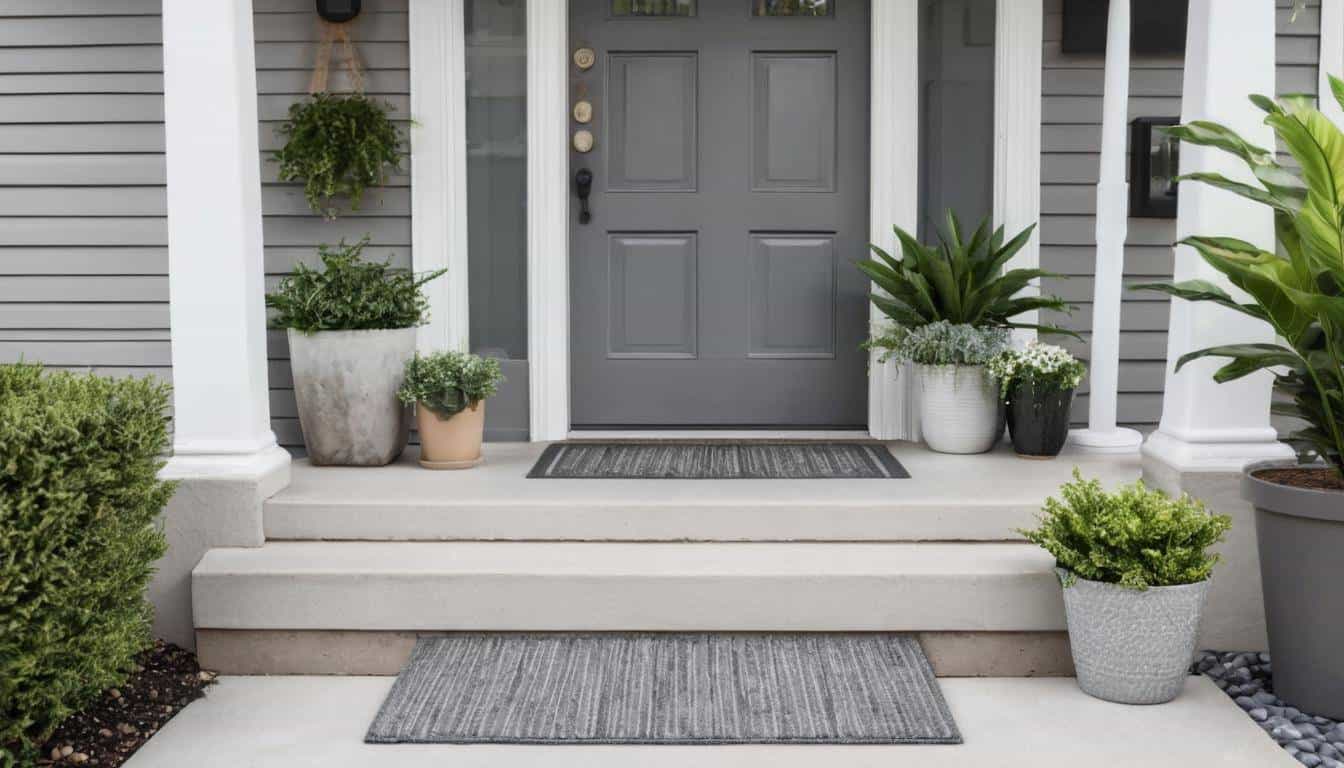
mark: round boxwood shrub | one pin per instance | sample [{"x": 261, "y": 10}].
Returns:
[{"x": 79, "y": 499}]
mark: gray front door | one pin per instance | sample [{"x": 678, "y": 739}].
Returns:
[{"x": 713, "y": 284}]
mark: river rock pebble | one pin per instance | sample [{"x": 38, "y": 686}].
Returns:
[{"x": 1314, "y": 741}]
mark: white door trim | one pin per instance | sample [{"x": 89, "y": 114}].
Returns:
[
  {"x": 548, "y": 217},
  {"x": 1018, "y": 40},
  {"x": 439, "y": 176},
  {"x": 438, "y": 137}
]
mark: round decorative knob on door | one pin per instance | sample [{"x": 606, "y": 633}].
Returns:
[{"x": 583, "y": 141}]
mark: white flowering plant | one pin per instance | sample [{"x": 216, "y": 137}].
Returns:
[
  {"x": 940, "y": 343},
  {"x": 1048, "y": 367}
]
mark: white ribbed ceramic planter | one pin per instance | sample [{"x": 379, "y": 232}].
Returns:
[
  {"x": 1132, "y": 646},
  {"x": 958, "y": 408}
]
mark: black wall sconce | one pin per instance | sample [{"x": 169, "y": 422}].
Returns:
[
  {"x": 1154, "y": 164},
  {"x": 338, "y": 11}
]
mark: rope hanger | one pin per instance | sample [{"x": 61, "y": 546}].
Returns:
[{"x": 332, "y": 33}]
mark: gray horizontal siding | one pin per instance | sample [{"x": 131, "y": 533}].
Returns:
[
  {"x": 286, "y": 34},
  {"x": 1072, "y": 89},
  {"x": 83, "y": 230}
]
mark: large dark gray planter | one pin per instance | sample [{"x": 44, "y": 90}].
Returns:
[
  {"x": 1038, "y": 419},
  {"x": 1132, "y": 646},
  {"x": 346, "y": 385},
  {"x": 1301, "y": 540}
]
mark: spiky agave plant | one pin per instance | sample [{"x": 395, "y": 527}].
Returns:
[
  {"x": 960, "y": 281},
  {"x": 1298, "y": 291}
]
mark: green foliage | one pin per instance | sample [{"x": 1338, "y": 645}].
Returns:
[
  {"x": 960, "y": 281},
  {"x": 1136, "y": 537},
  {"x": 449, "y": 382},
  {"x": 349, "y": 294},
  {"x": 1046, "y": 367},
  {"x": 338, "y": 145},
  {"x": 79, "y": 497},
  {"x": 941, "y": 343},
  {"x": 1298, "y": 291}
]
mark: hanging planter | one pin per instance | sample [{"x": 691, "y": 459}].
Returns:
[{"x": 338, "y": 145}]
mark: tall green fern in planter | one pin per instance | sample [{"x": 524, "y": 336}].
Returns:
[{"x": 1298, "y": 291}]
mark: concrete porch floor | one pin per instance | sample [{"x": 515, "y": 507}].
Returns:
[
  {"x": 947, "y": 498},
  {"x": 258, "y": 722}
]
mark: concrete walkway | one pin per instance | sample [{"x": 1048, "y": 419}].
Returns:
[{"x": 288, "y": 722}]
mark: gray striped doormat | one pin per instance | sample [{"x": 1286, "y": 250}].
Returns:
[
  {"x": 718, "y": 460},
  {"x": 665, "y": 688}
]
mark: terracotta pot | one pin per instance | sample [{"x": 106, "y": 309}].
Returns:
[{"x": 452, "y": 443}]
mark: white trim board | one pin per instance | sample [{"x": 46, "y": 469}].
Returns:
[
  {"x": 438, "y": 136},
  {"x": 1332, "y": 56},
  {"x": 439, "y": 176}
]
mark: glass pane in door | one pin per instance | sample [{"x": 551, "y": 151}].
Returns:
[
  {"x": 496, "y": 57},
  {"x": 792, "y": 7}
]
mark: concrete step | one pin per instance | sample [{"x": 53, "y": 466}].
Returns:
[
  {"x": 947, "y": 498},
  {"x": 543, "y": 586}
]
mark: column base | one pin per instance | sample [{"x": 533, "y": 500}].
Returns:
[
  {"x": 1187, "y": 456},
  {"x": 1117, "y": 440}
]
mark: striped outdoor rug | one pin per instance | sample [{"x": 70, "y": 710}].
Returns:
[
  {"x": 718, "y": 460},
  {"x": 656, "y": 688}
]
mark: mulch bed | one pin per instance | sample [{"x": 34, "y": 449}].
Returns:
[
  {"x": 109, "y": 731},
  {"x": 1314, "y": 479}
]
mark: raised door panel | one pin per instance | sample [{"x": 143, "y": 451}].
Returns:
[
  {"x": 792, "y": 304},
  {"x": 793, "y": 122},
  {"x": 652, "y": 295},
  {"x": 652, "y": 136}
]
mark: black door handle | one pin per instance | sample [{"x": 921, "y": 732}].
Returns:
[{"x": 583, "y": 187}]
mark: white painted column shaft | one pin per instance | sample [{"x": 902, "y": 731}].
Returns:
[
  {"x": 1332, "y": 56},
  {"x": 892, "y": 405},
  {"x": 216, "y": 291},
  {"x": 1112, "y": 229},
  {"x": 548, "y": 192},
  {"x": 1206, "y": 425}
]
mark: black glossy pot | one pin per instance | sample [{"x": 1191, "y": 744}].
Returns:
[{"x": 1039, "y": 420}]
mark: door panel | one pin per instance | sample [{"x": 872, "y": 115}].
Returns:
[{"x": 713, "y": 285}]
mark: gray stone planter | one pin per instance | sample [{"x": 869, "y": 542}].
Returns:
[
  {"x": 346, "y": 384},
  {"x": 1301, "y": 540},
  {"x": 1132, "y": 646}
]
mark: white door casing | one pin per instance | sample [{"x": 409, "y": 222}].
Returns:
[{"x": 439, "y": 235}]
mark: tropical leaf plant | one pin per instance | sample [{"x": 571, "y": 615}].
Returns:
[
  {"x": 961, "y": 280},
  {"x": 1298, "y": 291}
]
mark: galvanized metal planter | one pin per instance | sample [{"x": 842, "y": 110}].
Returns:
[
  {"x": 1132, "y": 646},
  {"x": 346, "y": 384},
  {"x": 1301, "y": 537}
]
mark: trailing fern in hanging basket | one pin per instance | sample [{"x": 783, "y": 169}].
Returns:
[{"x": 338, "y": 145}]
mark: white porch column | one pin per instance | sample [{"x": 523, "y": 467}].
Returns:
[
  {"x": 1332, "y": 57},
  {"x": 1208, "y": 426},
  {"x": 1102, "y": 434},
  {"x": 225, "y": 454},
  {"x": 216, "y": 293}
]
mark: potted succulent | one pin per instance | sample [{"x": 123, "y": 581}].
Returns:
[
  {"x": 958, "y": 400},
  {"x": 1135, "y": 569},
  {"x": 351, "y": 328},
  {"x": 448, "y": 390},
  {"x": 962, "y": 283},
  {"x": 1299, "y": 291},
  {"x": 1037, "y": 384}
]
